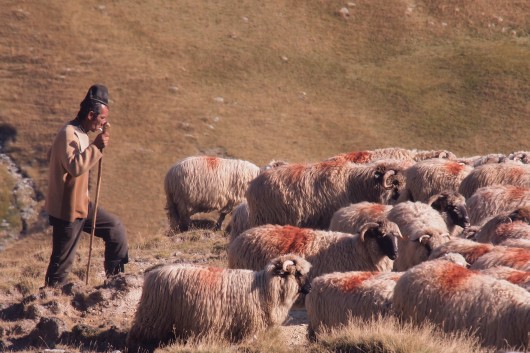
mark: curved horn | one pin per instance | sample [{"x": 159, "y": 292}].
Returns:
[
  {"x": 365, "y": 228},
  {"x": 387, "y": 176},
  {"x": 287, "y": 263}
]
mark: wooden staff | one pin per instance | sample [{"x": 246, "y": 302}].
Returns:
[{"x": 96, "y": 202}]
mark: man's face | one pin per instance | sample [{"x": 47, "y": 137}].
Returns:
[{"x": 97, "y": 122}]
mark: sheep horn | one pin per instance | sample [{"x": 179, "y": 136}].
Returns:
[
  {"x": 365, "y": 228},
  {"x": 287, "y": 263},
  {"x": 387, "y": 176}
]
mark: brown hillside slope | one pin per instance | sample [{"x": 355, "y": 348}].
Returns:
[{"x": 297, "y": 81}]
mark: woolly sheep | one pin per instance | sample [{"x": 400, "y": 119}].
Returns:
[
  {"x": 520, "y": 156},
  {"x": 517, "y": 258},
  {"x": 511, "y": 225},
  {"x": 351, "y": 218},
  {"x": 469, "y": 249},
  {"x": 391, "y": 153},
  {"x": 433, "y": 176},
  {"x": 423, "y": 229},
  {"x": 239, "y": 221},
  {"x": 456, "y": 298},
  {"x": 188, "y": 301},
  {"x": 491, "y": 201},
  {"x": 477, "y": 161},
  {"x": 452, "y": 207},
  {"x": 337, "y": 297},
  {"x": 206, "y": 184},
  {"x": 508, "y": 173},
  {"x": 516, "y": 243},
  {"x": 307, "y": 195},
  {"x": 517, "y": 277},
  {"x": 372, "y": 249}
]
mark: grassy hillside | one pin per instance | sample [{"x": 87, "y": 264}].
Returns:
[{"x": 261, "y": 81}]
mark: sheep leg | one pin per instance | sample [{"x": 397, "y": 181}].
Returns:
[
  {"x": 220, "y": 221},
  {"x": 172, "y": 214}
]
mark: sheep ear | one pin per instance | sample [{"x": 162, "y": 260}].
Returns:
[{"x": 365, "y": 228}]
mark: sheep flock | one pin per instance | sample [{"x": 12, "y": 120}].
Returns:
[{"x": 415, "y": 234}]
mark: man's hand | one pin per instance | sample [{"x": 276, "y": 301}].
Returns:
[{"x": 102, "y": 140}]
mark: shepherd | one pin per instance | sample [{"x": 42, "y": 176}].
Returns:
[{"x": 68, "y": 205}]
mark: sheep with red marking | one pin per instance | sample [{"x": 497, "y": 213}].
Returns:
[
  {"x": 350, "y": 219},
  {"x": 517, "y": 258},
  {"x": 392, "y": 153},
  {"x": 455, "y": 298},
  {"x": 491, "y": 201},
  {"x": 510, "y": 225},
  {"x": 469, "y": 249},
  {"x": 181, "y": 301},
  {"x": 433, "y": 176},
  {"x": 423, "y": 229},
  {"x": 372, "y": 249},
  {"x": 206, "y": 184},
  {"x": 508, "y": 173},
  {"x": 517, "y": 277},
  {"x": 336, "y": 298},
  {"x": 307, "y": 195}
]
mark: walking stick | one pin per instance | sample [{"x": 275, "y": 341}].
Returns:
[{"x": 96, "y": 201}]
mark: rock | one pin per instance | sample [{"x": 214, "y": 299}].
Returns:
[{"x": 47, "y": 332}]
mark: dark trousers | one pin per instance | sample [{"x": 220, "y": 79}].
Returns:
[{"x": 66, "y": 237}]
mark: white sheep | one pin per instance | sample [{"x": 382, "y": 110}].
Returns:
[
  {"x": 491, "y": 201},
  {"x": 520, "y": 156},
  {"x": 351, "y": 218},
  {"x": 392, "y": 153},
  {"x": 372, "y": 249},
  {"x": 517, "y": 258},
  {"x": 181, "y": 301},
  {"x": 336, "y": 298},
  {"x": 517, "y": 277},
  {"x": 307, "y": 195},
  {"x": 508, "y": 225},
  {"x": 239, "y": 222},
  {"x": 458, "y": 299},
  {"x": 469, "y": 249},
  {"x": 477, "y": 161},
  {"x": 423, "y": 229}
]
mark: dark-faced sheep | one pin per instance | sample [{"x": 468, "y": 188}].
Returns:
[
  {"x": 350, "y": 219},
  {"x": 433, "y": 176},
  {"x": 206, "y": 184},
  {"x": 456, "y": 298},
  {"x": 373, "y": 249},
  {"x": 391, "y": 153},
  {"x": 337, "y": 297},
  {"x": 517, "y": 258},
  {"x": 452, "y": 207},
  {"x": 491, "y": 201},
  {"x": 181, "y": 301},
  {"x": 508, "y": 173},
  {"x": 307, "y": 195},
  {"x": 423, "y": 229}
]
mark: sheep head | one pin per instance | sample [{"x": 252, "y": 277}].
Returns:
[
  {"x": 386, "y": 235},
  {"x": 453, "y": 204}
]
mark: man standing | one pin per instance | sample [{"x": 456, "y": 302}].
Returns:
[{"x": 67, "y": 203}]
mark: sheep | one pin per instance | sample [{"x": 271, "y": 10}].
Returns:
[
  {"x": 469, "y": 249},
  {"x": 351, "y": 218},
  {"x": 456, "y": 298},
  {"x": 490, "y": 201},
  {"x": 517, "y": 277},
  {"x": 517, "y": 258},
  {"x": 206, "y": 184},
  {"x": 336, "y": 298},
  {"x": 433, "y": 176},
  {"x": 181, "y": 301},
  {"x": 422, "y": 227},
  {"x": 477, "y": 161},
  {"x": 372, "y": 249},
  {"x": 391, "y": 153},
  {"x": 520, "y": 156},
  {"x": 307, "y": 195},
  {"x": 452, "y": 207},
  {"x": 516, "y": 243},
  {"x": 239, "y": 221},
  {"x": 511, "y": 225},
  {"x": 508, "y": 173}
]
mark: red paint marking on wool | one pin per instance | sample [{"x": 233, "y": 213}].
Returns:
[
  {"x": 518, "y": 277},
  {"x": 210, "y": 275},
  {"x": 327, "y": 165},
  {"x": 358, "y": 157},
  {"x": 291, "y": 239},
  {"x": 516, "y": 257},
  {"x": 376, "y": 209},
  {"x": 295, "y": 172},
  {"x": 212, "y": 162},
  {"x": 395, "y": 278},
  {"x": 477, "y": 251},
  {"x": 452, "y": 276},
  {"x": 505, "y": 229},
  {"x": 453, "y": 168},
  {"x": 352, "y": 282},
  {"x": 517, "y": 172},
  {"x": 516, "y": 192}
]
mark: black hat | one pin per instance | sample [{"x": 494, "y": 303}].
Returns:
[{"x": 97, "y": 93}]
